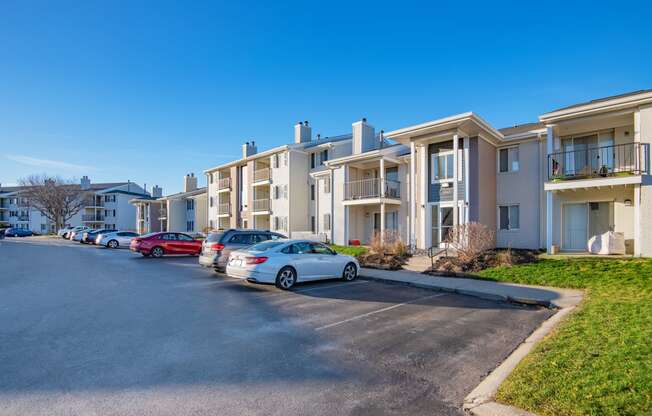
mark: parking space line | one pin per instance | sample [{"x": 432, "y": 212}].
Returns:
[{"x": 364, "y": 315}]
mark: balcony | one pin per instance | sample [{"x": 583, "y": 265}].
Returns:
[
  {"x": 162, "y": 214},
  {"x": 597, "y": 162},
  {"x": 223, "y": 184},
  {"x": 372, "y": 189},
  {"x": 261, "y": 205},
  {"x": 224, "y": 209},
  {"x": 23, "y": 218},
  {"x": 93, "y": 203},
  {"x": 92, "y": 218},
  {"x": 261, "y": 175}
]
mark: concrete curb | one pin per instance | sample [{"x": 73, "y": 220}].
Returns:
[{"x": 480, "y": 401}]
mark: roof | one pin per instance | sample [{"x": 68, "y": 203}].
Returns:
[
  {"x": 599, "y": 100},
  {"x": 194, "y": 192},
  {"x": 93, "y": 187},
  {"x": 521, "y": 128}
]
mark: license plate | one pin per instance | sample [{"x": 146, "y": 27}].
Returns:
[{"x": 236, "y": 262}]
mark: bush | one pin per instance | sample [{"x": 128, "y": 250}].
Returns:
[{"x": 470, "y": 240}]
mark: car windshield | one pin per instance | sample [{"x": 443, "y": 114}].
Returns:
[
  {"x": 265, "y": 245},
  {"x": 214, "y": 237},
  {"x": 150, "y": 235}
]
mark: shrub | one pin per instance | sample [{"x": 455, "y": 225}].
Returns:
[{"x": 470, "y": 240}]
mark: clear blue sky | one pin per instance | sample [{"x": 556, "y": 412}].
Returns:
[{"x": 150, "y": 91}]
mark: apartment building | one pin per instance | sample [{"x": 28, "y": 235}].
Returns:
[
  {"x": 182, "y": 212},
  {"x": 576, "y": 174},
  {"x": 105, "y": 205},
  {"x": 274, "y": 189}
]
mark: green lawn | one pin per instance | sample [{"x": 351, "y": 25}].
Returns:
[
  {"x": 349, "y": 250},
  {"x": 599, "y": 360}
]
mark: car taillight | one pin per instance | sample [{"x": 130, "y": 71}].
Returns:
[
  {"x": 256, "y": 260},
  {"x": 215, "y": 247}
]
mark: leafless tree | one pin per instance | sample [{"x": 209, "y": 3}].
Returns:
[
  {"x": 55, "y": 198},
  {"x": 470, "y": 240}
]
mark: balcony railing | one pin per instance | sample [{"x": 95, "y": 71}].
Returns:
[
  {"x": 261, "y": 205},
  {"x": 23, "y": 218},
  {"x": 91, "y": 202},
  {"x": 263, "y": 174},
  {"x": 372, "y": 188},
  {"x": 92, "y": 218},
  {"x": 224, "y": 183},
  {"x": 594, "y": 162},
  {"x": 162, "y": 213},
  {"x": 224, "y": 209}
]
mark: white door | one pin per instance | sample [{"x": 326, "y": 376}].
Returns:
[{"x": 574, "y": 227}]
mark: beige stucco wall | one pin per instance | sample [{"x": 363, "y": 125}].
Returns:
[
  {"x": 487, "y": 183},
  {"x": 646, "y": 189}
]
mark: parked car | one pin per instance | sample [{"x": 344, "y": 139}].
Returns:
[
  {"x": 73, "y": 235},
  {"x": 286, "y": 262},
  {"x": 164, "y": 243},
  {"x": 115, "y": 239},
  {"x": 218, "y": 245},
  {"x": 18, "y": 232},
  {"x": 88, "y": 237},
  {"x": 64, "y": 232}
]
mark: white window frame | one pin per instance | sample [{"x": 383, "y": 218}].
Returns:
[
  {"x": 509, "y": 217},
  {"x": 460, "y": 166},
  {"x": 509, "y": 165}
]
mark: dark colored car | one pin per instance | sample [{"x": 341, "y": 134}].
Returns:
[
  {"x": 18, "y": 232},
  {"x": 88, "y": 237},
  {"x": 218, "y": 245},
  {"x": 164, "y": 243}
]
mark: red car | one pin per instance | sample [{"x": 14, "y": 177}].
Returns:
[{"x": 160, "y": 244}]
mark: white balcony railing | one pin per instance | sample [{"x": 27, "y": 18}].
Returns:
[
  {"x": 261, "y": 205},
  {"x": 224, "y": 209},
  {"x": 372, "y": 188},
  {"x": 263, "y": 174},
  {"x": 224, "y": 183}
]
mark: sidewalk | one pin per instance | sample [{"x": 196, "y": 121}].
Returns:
[{"x": 511, "y": 292}]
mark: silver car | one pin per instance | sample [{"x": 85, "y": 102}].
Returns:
[
  {"x": 115, "y": 239},
  {"x": 218, "y": 245}
]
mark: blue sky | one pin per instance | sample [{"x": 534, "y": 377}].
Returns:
[{"x": 151, "y": 91}]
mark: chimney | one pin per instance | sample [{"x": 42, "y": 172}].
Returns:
[
  {"x": 157, "y": 191},
  {"x": 189, "y": 182},
  {"x": 85, "y": 183},
  {"x": 248, "y": 149},
  {"x": 363, "y": 137},
  {"x": 302, "y": 132}
]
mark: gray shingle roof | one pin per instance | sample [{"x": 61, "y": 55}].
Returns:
[{"x": 599, "y": 100}]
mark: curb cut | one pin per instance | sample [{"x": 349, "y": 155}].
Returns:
[{"x": 480, "y": 401}]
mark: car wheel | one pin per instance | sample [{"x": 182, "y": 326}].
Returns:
[
  {"x": 350, "y": 272},
  {"x": 286, "y": 278},
  {"x": 112, "y": 244},
  {"x": 157, "y": 252}
]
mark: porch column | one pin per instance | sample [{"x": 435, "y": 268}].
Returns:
[
  {"x": 331, "y": 177},
  {"x": 423, "y": 174},
  {"x": 549, "y": 195},
  {"x": 465, "y": 178},
  {"x": 413, "y": 196},
  {"x": 346, "y": 207},
  {"x": 455, "y": 177},
  {"x": 382, "y": 223},
  {"x": 637, "y": 220},
  {"x": 382, "y": 177}
]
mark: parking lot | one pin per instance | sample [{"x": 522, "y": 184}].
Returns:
[{"x": 87, "y": 330}]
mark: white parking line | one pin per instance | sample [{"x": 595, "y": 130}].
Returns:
[
  {"x": 330, "y": 286},
  {"x": 378, "y": 311}
]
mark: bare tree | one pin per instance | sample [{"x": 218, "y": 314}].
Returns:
[
  {"x": 470, "y": 240},
  {"x": 57, "y": 199}
]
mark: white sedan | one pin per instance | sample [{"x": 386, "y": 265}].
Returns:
[
  {"x": 115, "y": 239},
  {"x": 286, "y": 262}
]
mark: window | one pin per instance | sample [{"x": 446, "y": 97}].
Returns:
[
  {"x": 210, "y": 177},
  {"x": 312, "y": 160},
  {"x": 323, "y": 156},
  {"x": 508, "y": 159},
  {"x": 276, "y": 191},
  {"x": 275, "y": 161},
  {"x": 508, "y": 217},
  {"x": 211, "y": 224},
  {"x": 442, "y": 167},
  {"x": 183, "y": 237},
  {"x": 327, "y": 185},
  {"x": 285, "y": 159},
  {"x": 327, "y": 222},
  {"x": 210, "y": 201},
  {"x": 298, "y": 248},
  {"x": 312, "y": 192},
  {"x": 285, "y": 191},
  {"x": 169, "y": 237},
  {"x": 312, "y": 223},
  {"x": 190, "y": 204},
  {"x": 318, "y": 248},
  {"x": 190, "y": 225},
  {"x": 243, "y": 238}
]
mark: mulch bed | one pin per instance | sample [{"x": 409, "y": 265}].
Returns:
[
  {"x": 453, "y": 266},
  {"x": 382, "y": 261}
]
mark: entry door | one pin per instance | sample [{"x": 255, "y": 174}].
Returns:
[
  {"x": 376, "y": 222},
  {"x": 575, "y": 227}
]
